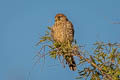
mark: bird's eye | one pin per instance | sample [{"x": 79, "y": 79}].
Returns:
[{"x": 59, "y": 17}]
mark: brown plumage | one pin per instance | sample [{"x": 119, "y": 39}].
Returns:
[{"x": 62, "y": 32}]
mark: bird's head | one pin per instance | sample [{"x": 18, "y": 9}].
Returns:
[{"x": 60, "y": 17}]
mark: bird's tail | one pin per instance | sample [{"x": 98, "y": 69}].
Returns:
[{"x": 71, "y": 62}]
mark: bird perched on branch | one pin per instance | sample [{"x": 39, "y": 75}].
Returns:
[{"x": 63, "y": 32}]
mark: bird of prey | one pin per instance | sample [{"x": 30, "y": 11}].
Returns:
[{"x": 63, "y": 32}]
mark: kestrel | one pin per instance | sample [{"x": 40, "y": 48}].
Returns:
[{"x": 62, "y": 32}]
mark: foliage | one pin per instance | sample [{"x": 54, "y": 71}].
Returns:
[{"x": 104, "y": 61}]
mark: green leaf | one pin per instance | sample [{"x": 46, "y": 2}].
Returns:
[{"x": 49, "y": 28}]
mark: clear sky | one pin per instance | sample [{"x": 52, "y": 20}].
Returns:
[{"x": 23, "y": 21}]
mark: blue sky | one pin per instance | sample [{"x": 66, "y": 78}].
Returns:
[{"x": 23, "y": 21}]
